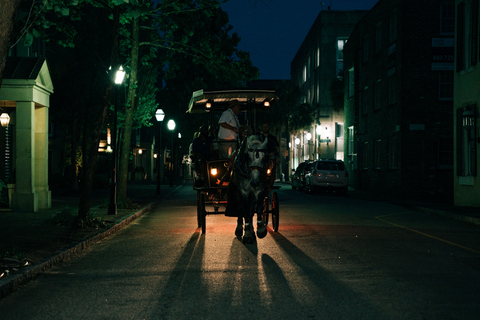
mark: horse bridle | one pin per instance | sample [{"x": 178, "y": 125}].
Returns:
[{"x": 251, "y": 168}]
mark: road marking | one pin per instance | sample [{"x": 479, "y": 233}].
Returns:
[{"x": 381, "y": 218}]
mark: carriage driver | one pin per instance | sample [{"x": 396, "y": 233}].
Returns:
[{"x": 228, "y": 131}]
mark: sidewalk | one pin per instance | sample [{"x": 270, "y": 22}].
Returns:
[
  {"x": 466, "y": 214},
  {"x": 31, "y": 243}
]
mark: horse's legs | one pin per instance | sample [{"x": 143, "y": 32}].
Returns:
[
  {"x": 261, "y": 225},
  {"x": 239, "y": 229},
  {"x": 249, "y": 236}
]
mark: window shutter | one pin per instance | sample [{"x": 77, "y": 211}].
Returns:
[
  {"x": 459, "y": 147},
  {"x": 474, "y": 20}
]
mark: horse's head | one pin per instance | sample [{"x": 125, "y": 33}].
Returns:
[{"x": 255, "y": 154}]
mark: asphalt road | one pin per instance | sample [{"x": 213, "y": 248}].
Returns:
[{"x": 333, "y": 258}]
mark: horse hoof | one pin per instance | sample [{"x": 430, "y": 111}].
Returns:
[
  {"x": 261, "y": 229},
  {"x": 249, "y": 239},
  {"x": 239, "y": 230},
  {"x": 249, "y": 236}
]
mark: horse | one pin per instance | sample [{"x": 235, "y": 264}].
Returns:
[{"x": 246, "y": 189}]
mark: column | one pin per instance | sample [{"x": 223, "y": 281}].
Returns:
[{"x": 25, "y": 199}]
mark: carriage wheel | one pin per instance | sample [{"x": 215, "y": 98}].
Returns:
[
  {"x": 275, "y": 211},
  {"x": 265, "y": 211},
  {"x": 199, "y": 210},
  {"x": 203, "y": 213}
]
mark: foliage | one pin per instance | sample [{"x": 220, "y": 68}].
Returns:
[
  {"x": 289, "y": 113},
  {"x": 65, "y": 217},
  {"x": 184, "y": 45},
  {"x": 301, "y": 117},
  {"x": 205, "y": 56},
  {"x": 12, "y": 253}
]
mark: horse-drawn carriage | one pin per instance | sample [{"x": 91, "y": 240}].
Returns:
[{"x": 242, "y": 184}]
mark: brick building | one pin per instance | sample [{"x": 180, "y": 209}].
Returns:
[
  {"x": 317, "y": 65},
  {"x": 399, "y": 99},
  {"x": 467, "y": 99}
]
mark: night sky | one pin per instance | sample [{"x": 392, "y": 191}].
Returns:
[{"x": 273, "y": 30}]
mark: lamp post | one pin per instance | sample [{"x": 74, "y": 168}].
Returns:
[
  {"x": 171, "y": 127},
  {"x": 159, "y": 115},
  {"x": 112, "y": 207}
]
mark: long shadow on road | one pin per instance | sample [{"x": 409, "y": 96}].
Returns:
[{"x": 325, "y": 296}]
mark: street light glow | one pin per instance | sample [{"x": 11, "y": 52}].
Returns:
[
  {"x": 171, "y": 125},
  {"x": 160, "y": 115},
  {"x": 119, "y": 76}
]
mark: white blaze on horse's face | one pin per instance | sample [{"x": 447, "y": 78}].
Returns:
[{"x": 256, "y": 159}]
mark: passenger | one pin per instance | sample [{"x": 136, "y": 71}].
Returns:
[
  {"x": 228, "y": 131},
  {"x": 201, "y": 151},
  {"x": 272, "y": 144},
  {"x": 202, "y": 144},
  {"x": 272, "y": 149},
  {"x": 213, "y": 134}
]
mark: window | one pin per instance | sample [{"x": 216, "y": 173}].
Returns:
[
  {"x": 377, "y": 95},
  {"x": 447, "y": 18},
  {"x": 340, "y": 45},
  {"x": 350, "y": 141},
  {"x": 378, "y": 38},
  {"x": 445, "y": 85},
  {"x": 392, "y": 30},
  {"x": 351, "y": 82},
  {"x": 365, "y": 155},
  {"x": 466, "y": 144},
  {"x": 377, "y": 154},
  {"x": 445, "y": 152},
  {"x": 392, "y": 90},
  {"x": 467, "y": 35},
  {"x": 304, "y": 74},
  {"x": 365, "y": 101},
  {"x": 318, "y": 56},
  {"x": 365, "y": 49},
  {"x": 392, "y": 147}
]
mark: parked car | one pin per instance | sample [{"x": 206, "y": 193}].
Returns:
[
  {"x": 329, "y": 175},
  {"x": 298, "y": 179}
]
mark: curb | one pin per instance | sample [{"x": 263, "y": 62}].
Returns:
[
  {"x": 11, "y": 284},
  {"x": 442, "y": 213}
]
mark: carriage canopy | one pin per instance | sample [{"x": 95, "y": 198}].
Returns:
[{"x": 207, "y": 101}]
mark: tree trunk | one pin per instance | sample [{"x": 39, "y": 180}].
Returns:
[
  {"x": 93, "y": 137},
  {"x": 129, "y": 112},
  {"x": 8, "y": 14}
]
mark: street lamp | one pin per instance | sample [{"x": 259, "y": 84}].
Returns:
[
  {"x": 159, "y": 115},
  {"x": 112, "y": 207},
  {"x": 4, "y": 119},
  {"x": 171, "y": 127}
]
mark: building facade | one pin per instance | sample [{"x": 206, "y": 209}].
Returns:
[
  {"x": 317, "y": 69},
  {"x": 399, "y": 99},
  {"x": 466, "y": 105}
]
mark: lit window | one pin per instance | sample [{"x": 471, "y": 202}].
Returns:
[
  {"x": 351, "y": 82},
  {"x": 350, "y": 141}
]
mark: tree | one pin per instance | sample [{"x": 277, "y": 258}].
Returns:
[
  {"x": 197, "y": 51},
  {"x": 8, "y": 14}
]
